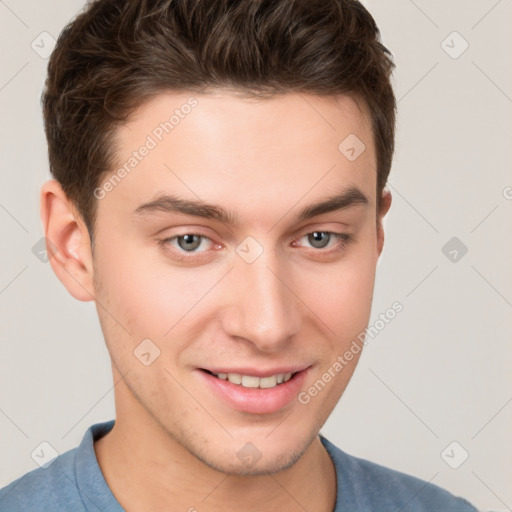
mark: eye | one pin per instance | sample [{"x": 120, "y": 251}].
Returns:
[
  {"x": 186, "y": 243},
  {"x": 321, "y": 239},
  {"x": 186, "y": 247}
]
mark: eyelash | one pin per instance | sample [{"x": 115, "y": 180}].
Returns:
[{"x": 344, "y": 240}]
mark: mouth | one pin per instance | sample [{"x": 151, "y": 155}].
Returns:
[
  {"x": 252, "y": 381},
  {"x": 253, "y": 390}
]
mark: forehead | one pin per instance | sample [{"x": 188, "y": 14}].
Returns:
[
  {"x": 233, "y": 118},
  {"x": 221, "y": 147}
]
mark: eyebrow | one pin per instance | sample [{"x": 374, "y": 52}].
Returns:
[{"x": 172, "y": 204}]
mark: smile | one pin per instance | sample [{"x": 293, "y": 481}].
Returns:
[
  {"x": 251, "y": 381},
  {"x": 255, "y": 390}
]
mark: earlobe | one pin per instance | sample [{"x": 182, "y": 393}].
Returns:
[
  {"x": 385, "y": 204},
  {"x": 67, "y": 242}
]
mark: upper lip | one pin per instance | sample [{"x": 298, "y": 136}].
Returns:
[{"x": 258, "y": 372}]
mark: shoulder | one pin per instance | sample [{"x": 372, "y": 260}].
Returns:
[
  {"x": 53, "y": 486},
  {"x": 65, "y": 482},
  {"x": 370, "y": 486}
]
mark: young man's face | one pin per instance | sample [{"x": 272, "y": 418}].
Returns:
[{"x": 261, "y": 297}]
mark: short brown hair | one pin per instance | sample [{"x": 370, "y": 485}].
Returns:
[{"x": 116, "y": 54}]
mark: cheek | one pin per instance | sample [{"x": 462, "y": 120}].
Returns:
[
  {"x": 341, "y": 293},
  {"x": 144, "y": 297}
]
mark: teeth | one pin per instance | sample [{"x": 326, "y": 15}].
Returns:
[
  {"x": 249, "y": 381},
  {"x": 235, "y": 378},
  {"x": 268, "y": 382}
]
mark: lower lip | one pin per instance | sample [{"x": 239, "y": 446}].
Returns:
[{"x": 256, "y": 400}]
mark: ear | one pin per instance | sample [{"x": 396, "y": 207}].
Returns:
[
  {"x": 67, "y": 241},
  {"x": 385, "y": 204}
]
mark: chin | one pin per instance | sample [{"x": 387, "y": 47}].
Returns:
[
  {"x": 263, "y": 466},
  {"x": 249, "y": 460}
]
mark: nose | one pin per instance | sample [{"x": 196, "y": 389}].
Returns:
[{"x": 261, "y": 306}]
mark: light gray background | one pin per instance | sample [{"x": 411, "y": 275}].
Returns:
[{"x": 439, "y": 372}]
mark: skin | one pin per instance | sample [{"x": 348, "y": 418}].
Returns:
[{"x": 175, "y": 441}]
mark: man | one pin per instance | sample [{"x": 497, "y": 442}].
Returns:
[{"x": 219, "y": 192}]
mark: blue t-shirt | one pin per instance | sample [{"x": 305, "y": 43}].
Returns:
[{"x": 73, "y": 482}]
